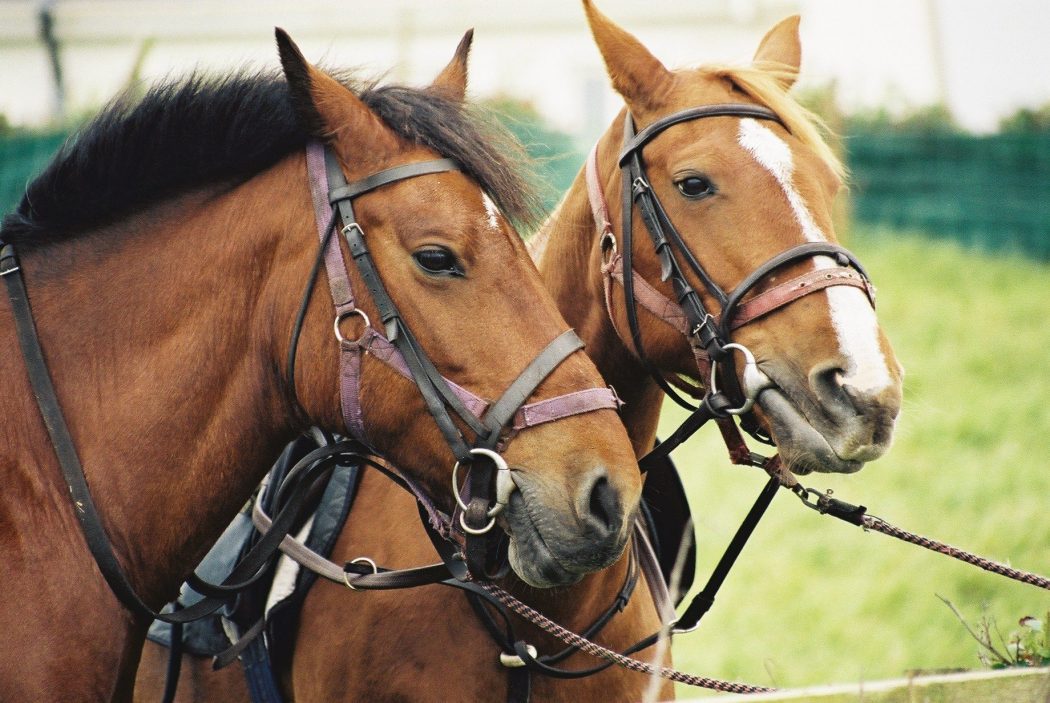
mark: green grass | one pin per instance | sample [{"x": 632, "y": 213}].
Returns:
[{"x": 814, "y": 600}]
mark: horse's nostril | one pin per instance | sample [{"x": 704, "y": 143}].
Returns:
[
  {"x": 828, "y": 384},
  {"x": 604, "y": 504}
]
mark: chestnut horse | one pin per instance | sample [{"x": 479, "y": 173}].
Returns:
[
  {"x": 739, "y": 190},
  {"x": 169, "y": 246}
]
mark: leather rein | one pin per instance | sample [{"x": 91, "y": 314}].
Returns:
[{"x": 398, "y": 348}]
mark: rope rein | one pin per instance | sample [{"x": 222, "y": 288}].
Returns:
[
  {"x": 857, "y": 515},
  {"x": 596, "y": 650},
  {"x": 880, "y": 525},
  {"x": 820, "y": 502}
]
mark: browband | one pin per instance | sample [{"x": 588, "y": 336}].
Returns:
[{"x": 723, "y": 110}]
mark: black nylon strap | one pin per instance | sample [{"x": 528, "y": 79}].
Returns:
[
  {"x": 703, "y": 601},
  {"x": 711, "y": 407}
]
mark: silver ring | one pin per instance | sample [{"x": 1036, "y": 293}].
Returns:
[
  {"x": 343, "y": 315},
  {"x": 504, "y": 487},
  {"x": 359, "y": 560},
  {"x": 467, "y": 528},
  {"x": 755, "y": 381}
]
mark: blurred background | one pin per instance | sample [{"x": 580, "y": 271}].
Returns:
[{"x": 942, "y": 111}]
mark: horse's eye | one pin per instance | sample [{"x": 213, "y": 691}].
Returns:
[
  {"x": 437, "y": 260},
  {"x": 695, "y": 187}
]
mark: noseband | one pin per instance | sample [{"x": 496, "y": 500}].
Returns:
[{"x": 709, "y": 333}]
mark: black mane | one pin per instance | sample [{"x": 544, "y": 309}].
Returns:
[{"x": 201, "y": 131}]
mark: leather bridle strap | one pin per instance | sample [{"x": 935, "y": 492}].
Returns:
[
  {"x": 84, "y": 507},
  {"x": 504, "y": 410},
  {"x": 643, "y": 137},
  {"x": 707, "y": 332},
  {"x": 436, "y": 394}
]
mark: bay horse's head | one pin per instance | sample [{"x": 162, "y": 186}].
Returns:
[
  {"x": 742, "y": 183},
  {"x": 464, "y": 291}
]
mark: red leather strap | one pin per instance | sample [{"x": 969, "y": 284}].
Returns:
[{"x": 809, "y": 282}]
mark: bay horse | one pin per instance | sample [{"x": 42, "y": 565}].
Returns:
[
  {"x": 165, "y": 252},
  {"x": 740, "y": 188}
]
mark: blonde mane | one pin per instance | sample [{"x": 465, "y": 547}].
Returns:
[{"x": 763, "y": 82}]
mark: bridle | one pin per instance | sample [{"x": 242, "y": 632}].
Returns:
[
  {"x": 709, "y": 334},
  {"x": 399, "y": 349}
]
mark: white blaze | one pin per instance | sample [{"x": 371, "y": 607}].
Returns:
[
  {"x": 492, "y": 210},
  {"x": 851, "y": 313}
]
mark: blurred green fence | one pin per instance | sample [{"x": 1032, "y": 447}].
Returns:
[
  {"x": 22, "y": 156},
  {"x": 992, "y": 191}
]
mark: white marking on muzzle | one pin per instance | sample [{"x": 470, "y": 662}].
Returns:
[{"x": 851, "y": 313}]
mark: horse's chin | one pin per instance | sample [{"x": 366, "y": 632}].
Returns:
[
  {"x": 538, "y": 569},
  {"x": 802, "y": 447},
  {"x": 547, "y": 549}
]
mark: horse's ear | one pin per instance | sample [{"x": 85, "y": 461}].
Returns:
[
  {"x": 452, "y": 81},
  {"x": 636, "y": 74},
  {"x": 324, "y": 105},
  {"x": 780, "y": 51}
]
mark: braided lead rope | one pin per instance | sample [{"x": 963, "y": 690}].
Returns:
[
  {"x": 596, "y": 650},
  {"x": 857, "y": 515},
  {"x": 870, "y": 522}
]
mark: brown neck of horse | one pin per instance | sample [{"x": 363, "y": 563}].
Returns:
[
  {"x": 165, "y": 336},
  {"x": 571, "y": 268}
]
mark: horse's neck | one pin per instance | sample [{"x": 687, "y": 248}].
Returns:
[
  {"x": 571, "y": 267},
  {"x": 156, "y": 332}
]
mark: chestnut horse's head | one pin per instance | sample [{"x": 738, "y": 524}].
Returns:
[
  {"x": 467, "y": 292},
  {"x": 741, "y": 189}
]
